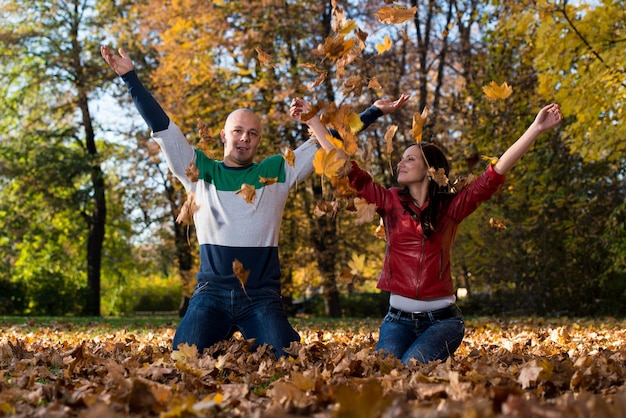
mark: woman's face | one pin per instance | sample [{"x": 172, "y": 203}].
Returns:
[{"x": 412, "y": 167}]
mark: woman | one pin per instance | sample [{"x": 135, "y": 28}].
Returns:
[{"x": 421, "y": 219}]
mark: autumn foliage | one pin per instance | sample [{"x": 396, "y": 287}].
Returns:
[{"x": 529, "y": 368}]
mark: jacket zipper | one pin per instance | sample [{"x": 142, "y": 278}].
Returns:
[{"x": 440, "y": 264}]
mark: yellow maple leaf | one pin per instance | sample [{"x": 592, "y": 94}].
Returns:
[
  {"x": 495, "y": 92},
  {"x": 289, "y": 156},
  {"x": 364, "y": 211},
  {"x": 248, "y": 192},
  {"x": 384, "y": 46},
  {"x": 357, "y": 264},
  {"x": 354, "y": 122},
  {"x": 419, "y": 120},
  {"x": 395, "y": 15},
  {"x": 327, "y": 163},
  {"x": 347, "y": 27}
]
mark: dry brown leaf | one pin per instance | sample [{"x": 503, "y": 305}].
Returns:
[
  {"x": 192, "y": 172},
  {"x": 264, "y": 58},
  {"x": 497, "y": 223},
  {"x": 395, "y": 15},
  {"x": 189, "y": 208},
  {"x": 268, "y": 181},
  {"x": 289, "y": 156},
  {"x": 374, "y": 84},
  {"x": 391, "y": 132},
  {"x": 240, "y": 273},
  {"x": 439, "y": 176},
  {"x": 364, "y": 211},
  {"x": 248, "y": 192}
]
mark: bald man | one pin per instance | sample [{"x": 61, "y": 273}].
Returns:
[{"x": 228, "y": 227}]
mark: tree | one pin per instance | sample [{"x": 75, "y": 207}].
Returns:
[{"x": 52, "y": 69}]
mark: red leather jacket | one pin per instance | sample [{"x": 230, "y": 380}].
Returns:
[{"x": 414, "y": 266}]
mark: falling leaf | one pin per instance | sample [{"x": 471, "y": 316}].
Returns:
[
  {"x": 325, "y": 207},
  {"x": 289, "y": 156},
  {"x": 347, "y": 27},
  {"x": 185, "y": 353},
  {"x": 192, "y": 172},
  {"x": 374, "y": 84},
  {"x": 418, "y": 123},
  {"x": 462, "y": 182},
  {"x": 354, "y": 85},
  {"x": 395, "y": 15},
  {"x": 380, "y": 230},
  {"x": 364, "y": 211},
  {"x": 240, "y": 273},
  {"x": 391, "y": 132},
  {"x": 264, "y": 59},
  {"x": 189, "y": 208},
  {"x": 248, "y": 192},
  {"x": 495, "y": 92},
  {"x": 384, "y": 46},
  {"x": 204, "y": 131},
  {"x": 497, "y": 223},
  {"x": 361, "y": 36},
  {"x": 334, "y": 48},
  {"x": 439, "y": 176},
  {"x": 327, "y": 163},
  {"x": 268, "y": 181},
  {"x": 357, "y": 264},
  {"x": 492, "y": 160},
  {"x": 341, "y": 187}
]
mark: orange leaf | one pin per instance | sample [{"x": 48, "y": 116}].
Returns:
[
  {"x": 248, "y": 192},
  {"x": 268, "y": 181},
  {"x": 374, "y": 84},
  {"x": 264, "y": 59},
  {"x": 240, "y": 273},
  {"x": 418, "y": 124},
  {"x": 289, "y": 156}
]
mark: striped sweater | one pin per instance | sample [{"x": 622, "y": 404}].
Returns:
[{"x": 228, "y": 228}]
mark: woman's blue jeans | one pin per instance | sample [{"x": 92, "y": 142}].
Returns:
[
  {"x": 424, "y": 340},
  {"x": 214, "y": 314}
]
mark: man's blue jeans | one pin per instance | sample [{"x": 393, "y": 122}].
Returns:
[
  {"x": 214, "y": 314},
  {"x": 424, "y": 339}
]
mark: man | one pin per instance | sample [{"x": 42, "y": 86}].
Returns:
[{"x": 236, "y": 231}]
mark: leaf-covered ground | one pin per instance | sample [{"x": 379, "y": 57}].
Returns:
[{"x": 121, "y": 368}]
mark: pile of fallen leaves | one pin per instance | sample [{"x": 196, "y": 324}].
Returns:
[{"x": 524, "y": 368}]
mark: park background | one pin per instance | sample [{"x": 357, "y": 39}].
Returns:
[{"x": 88, "y": 208}]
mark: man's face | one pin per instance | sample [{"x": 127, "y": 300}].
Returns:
[{"x": 241, "y": 136}]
